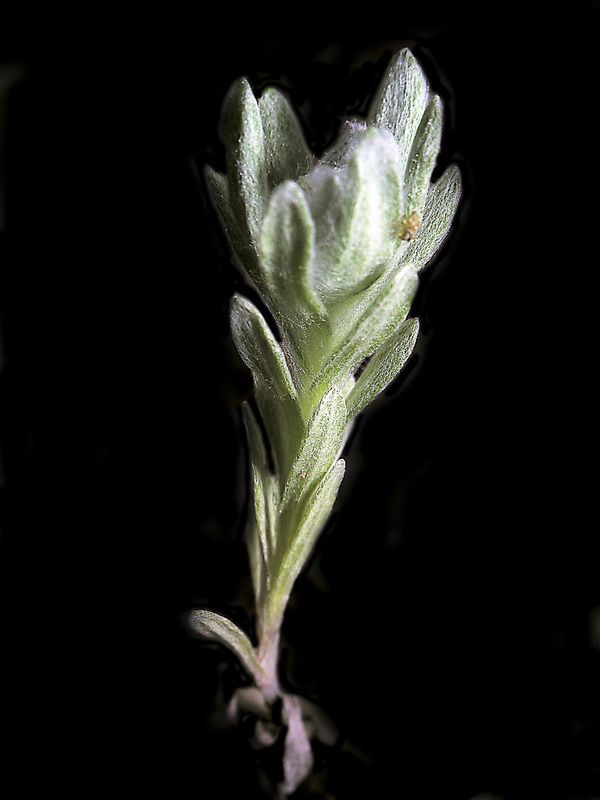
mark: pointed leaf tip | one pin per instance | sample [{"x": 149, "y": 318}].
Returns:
[
  {"x": 400, "y": 101},
  {"x": 242, "y": 133},
  {"x": 287, "y": 153}
]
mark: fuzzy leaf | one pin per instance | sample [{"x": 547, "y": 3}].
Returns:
[
  {"x": 288, "y": 157},
  {"x": 286, "y": 248},
  {"x": 275, "y": 391},
  {"x": 218, "y": 189},
  {"x": 243, "y": 136},
  {"x": 388, "y": 310},
  {"x": 440, "y": 207},
  {"x": 220, "y": 629},
  {"x": 258, "y": 347},
  {"x": 259, "y": 531},
  {"x": 356, "y": 210},
  {"x": 383, "y": 367},
  {"x": 298, "y": 544},
  {"x": 422, "y": 158},
  {"x": 400, "y": 102},
  {"x": 320, "y": 447}
]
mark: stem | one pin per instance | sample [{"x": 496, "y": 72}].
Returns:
[{"x": 268, "y": 655}]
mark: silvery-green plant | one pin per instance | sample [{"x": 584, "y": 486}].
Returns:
[{"x": 334, "y": 247}]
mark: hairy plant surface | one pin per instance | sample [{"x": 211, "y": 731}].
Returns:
[{"x": 334, "y": 247}]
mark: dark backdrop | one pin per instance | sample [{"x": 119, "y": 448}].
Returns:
[{"x": 445, "y": 622}]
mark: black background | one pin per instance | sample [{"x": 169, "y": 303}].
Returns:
[{"x": 445, "y": 620}]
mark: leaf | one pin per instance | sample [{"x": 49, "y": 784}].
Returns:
[
  {"x": 440, "y": 207},
  {"x": 400, "y": 102},
  {"x": 378, "y": 321},
  {"x": 356, "y": 210},
  {"x": 217, "y": 628},
  {"x": 320, "y": 447},
  {"x": 275, "y": 391},
  {"x": 218, "y": 189},
  {"x": 383, "y": 367},
  {"x": 259, "y": 533},
  {"x": 258, "y": 347},
  {"x": 287, "y": 155},
  {"x": 243, "y": 136},
  {"x": 286, "y": 248},
  {"x": 422, "y": 158},
  {"x": 297, "y": 546}
]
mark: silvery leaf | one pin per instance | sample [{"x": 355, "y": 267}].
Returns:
[
  {"x": 422, "y": 158},
  {"x": 218, "y": 189},
  {"x": 286, "y": 247},
  {"x": 319, "y": 449},
  {"x": 298, "y": 544},
  {"x": 400, "y": 102},
  {"x": 275, "y": 391},
  {"x": 440, "y": 207},
  {"x": 288, "y": 157},
  {"x": 356, "y": 210},
  {"x": 259, "y": 348},
  {"x": 388, "y": 310},
  {"x": 259, "y": 531},
  {"x": 220, "y": 629},
  {"x": 243, "y": 136},
  {"x": 383, "y": 367}
]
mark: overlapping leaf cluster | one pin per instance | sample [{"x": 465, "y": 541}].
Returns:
[{"x": 322, "y": 243}]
